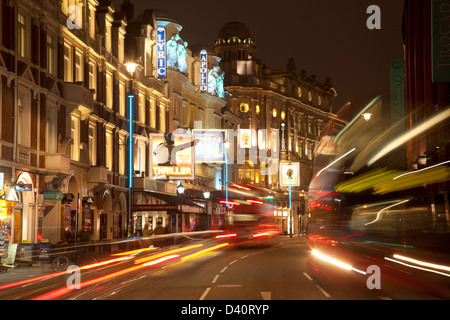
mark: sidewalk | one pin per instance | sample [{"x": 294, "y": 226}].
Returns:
[{"x": 24, "y": 271}]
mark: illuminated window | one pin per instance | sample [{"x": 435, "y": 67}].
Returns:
[
  {"x": 78, "y": 66},
  {"x": 319, "y": 100},
  {"x": 67, "y": 63},
  {"x": 141, "y": 102},
  {"x": 93, "y": 78},
  {"x": 93, "y": 144},
  {"x": 108, "y": 37},
  {"x": 153, "y": 113},
  {"x": 122, "y": 99},
  {"x": 299, "y": 92},
  {"x": 122, "y": 155},
  {"x": 109, "y": 150},
  {"x": 274, "y": 112},
  {"x": 258, "y": 109},
  {"x": 21, "y": 36},
  {"x": 92, "y": 21},
  {"x": 50, "y": 55},
  {"x": 309, "y": 96},
  {"x": 244, "y": 107},
  {"x": 75, "y": 135},
  {"x": 109, "y": 91},
  {"x": 283, "y": 115}
]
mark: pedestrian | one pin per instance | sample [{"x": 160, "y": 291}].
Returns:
[
  {"x": 159, "y": 230},
  {"x": 146, "y": 233}
]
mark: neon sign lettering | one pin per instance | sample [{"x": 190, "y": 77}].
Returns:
[
  {"x": 203, "y": 71},
  {"x": 161, "y": 51}
]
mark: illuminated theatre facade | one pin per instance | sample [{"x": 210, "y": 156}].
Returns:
[
  {"x": 64, "y": 120},
  {"x": 283, "y": 112}
]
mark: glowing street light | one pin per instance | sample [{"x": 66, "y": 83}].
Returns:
[{"x": 290, "y": 172}]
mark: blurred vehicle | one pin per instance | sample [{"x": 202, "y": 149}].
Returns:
[
  {"x": 251, "y": 224},
  {"x": 379, "y": 219}
]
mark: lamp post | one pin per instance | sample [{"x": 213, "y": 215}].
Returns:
[
  {"x": 180, "y": 191},
  {"x": 290, "y": 172},
  {"x": 207, "y": 194},
  {"x": 131, "y": 67},
  {"x": 226, "y": 144}
]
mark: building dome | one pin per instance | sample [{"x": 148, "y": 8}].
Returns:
[
  {"x": 234, "y": 32},
  {"x": 234, "y": 28}
]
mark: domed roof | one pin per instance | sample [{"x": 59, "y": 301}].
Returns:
[{"x": 236, "y": 29}]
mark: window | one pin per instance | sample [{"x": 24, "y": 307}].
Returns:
[
  {"x": 50, "y": 131},
  {"x": 121, "y": 47},
  {"x": 122, "y": 155},
  {"x": 21, "y": 36},
  {"x": 122, "y": 99},
  {"x": 50, "y": 55},
  {"x": 162, "y": 117},
  {"x": 93, "y": 144},
  {"x": 109, "y": 91},
  {"x": 141, "y": 107},
  {"x": 67, "y": 63},
  {"x": 152, "y": 113},
  {"x": 75, "y": 135},
  {"x": 78, "y": 66},
  {"x": 73, "y": 9},
  {"x": 92, "y": 21},
  {"x": 108, "y": 37},
  {"x": 109, "y": 150},
  {"x": 141, "y": 157},
  {"x": 93, "y": 78},
  {"x": 244, "y": 107}
]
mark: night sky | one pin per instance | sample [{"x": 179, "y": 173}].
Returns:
[{"x": 327, "y": 38}]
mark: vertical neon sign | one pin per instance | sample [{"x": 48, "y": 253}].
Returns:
[
  {"x": 130, "y": 141},
  {"x": 161, "y": 51},
  {"x": 203, "y": 71}
]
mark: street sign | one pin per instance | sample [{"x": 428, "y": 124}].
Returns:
[{"x": 53, "y": 195}]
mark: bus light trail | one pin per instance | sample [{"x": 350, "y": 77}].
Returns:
[
  {"x": 57, "y": 274},
  {"x": 65, "y": 290},
  {"x": 202, "y": 252},
  {"x": 155, "y": 256}
]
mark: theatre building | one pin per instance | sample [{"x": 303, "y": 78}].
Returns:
[{"x": 283, "y": 111}]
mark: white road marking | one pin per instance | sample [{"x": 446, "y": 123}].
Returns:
[
  {"x": 215, "y": 278},
  {"x": 323, "y": 291},
  {"x": 266, "y": 295},
  {"x": 307, "y": 276},
  {"x": 223, "y": 270},
  {"x": 205, "y": 293},
  {"x": 232, "y": 262}
]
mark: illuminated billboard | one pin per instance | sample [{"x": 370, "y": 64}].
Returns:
[
  {"x": 209, "y": 146},
  {"x": 172, "y": 156}
]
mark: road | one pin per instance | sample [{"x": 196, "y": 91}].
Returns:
[{"x": 222, "y": 272}]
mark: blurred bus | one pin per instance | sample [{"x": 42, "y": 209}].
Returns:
[
  {"x": 370, "y": 205},
  {"x": 250, "y": 223}
]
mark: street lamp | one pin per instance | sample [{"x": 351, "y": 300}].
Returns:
[
  {"x": 226, "y": 144},
  {"x": 367, "y": 116},
  {"x": 290, "y": 172},
  {"x": 180, "y": 191},
  {"x": 207, "y": 194}
]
